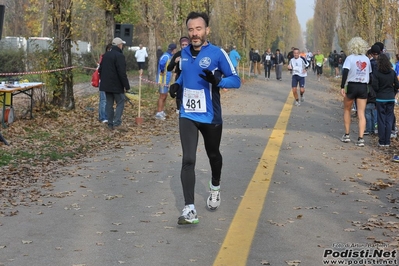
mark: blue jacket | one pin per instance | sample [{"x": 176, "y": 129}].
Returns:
[
  {"x": 234, "y": 57},
  {"x": 162, "y": 67},
  {"x": 201, "y": 100}
]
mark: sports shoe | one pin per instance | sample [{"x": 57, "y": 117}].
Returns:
[
  {"x": 160, "y": 116},
  {"x": 346, "y": 138},
  {"x": 104, "y": 121},
  {"x": 297, "y": 103},
  {"x": 302, "y": 98},
  {"x": 360, "y": 142},
  {"x": 188, "y": 216},
  {"x": 366, "y": 133},
  {"x": 393, "y": 135},
  {"x": 213, "y": 201},
  {"x": 395, "y": 159}
]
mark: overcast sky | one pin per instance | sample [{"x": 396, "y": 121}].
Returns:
[{"x": 304, "y": 11}]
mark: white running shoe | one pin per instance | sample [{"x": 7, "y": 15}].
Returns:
[
  {"x": 213, "y": 201},
  {"x": 160, "y": 116},
  {"x": 188, "y": 216},
  {"x": 297, "y": 103},
  {"x": 346, "y": 138},
  {"x": 360, "y": 142}
]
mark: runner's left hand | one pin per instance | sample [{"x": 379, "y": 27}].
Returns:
[{"x": 210, "y": 77}]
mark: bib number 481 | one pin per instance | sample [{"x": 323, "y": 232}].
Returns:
[
  {"x": 193, "y": 104},
  {"x": 194, "y": 101}
]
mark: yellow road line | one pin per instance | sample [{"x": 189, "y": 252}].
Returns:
[{"x": 237, "y": 243}]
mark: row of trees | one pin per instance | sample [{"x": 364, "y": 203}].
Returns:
[
  {"x": 335, "y": 22},
  {"x": 257, "y": 24}
]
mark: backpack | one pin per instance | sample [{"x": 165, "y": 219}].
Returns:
[{"x": 95, "y": 79}]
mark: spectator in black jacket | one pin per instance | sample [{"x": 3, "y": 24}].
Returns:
[
  {"x": 114, "y": 82},
  {"x": 251, "y": 54},
  {"x": 267, "y": 58},
  {"x": 341, "y": 60},
  {"x": 256, "y": 61},
  {"x": 386, "y": 85},
  {"x": 278, "y": 63},
  {"x": 336, "y": 57}
]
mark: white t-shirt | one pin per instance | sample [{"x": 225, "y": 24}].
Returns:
[
  {"x": 141, "y": 54},
  {"x": 359, "y": 68},
  {"x": 309, "y": 56},
  {"x": 299, "y": 67}
]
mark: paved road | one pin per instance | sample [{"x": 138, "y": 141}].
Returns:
[{"x": 290, "y": 191}]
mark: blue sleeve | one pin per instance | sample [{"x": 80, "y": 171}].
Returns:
[
  {"x": 397, "y": 69},
  {"x": 162, "y": 62}
]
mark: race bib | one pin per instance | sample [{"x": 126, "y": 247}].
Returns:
[
  {"x": 194, "y": 101},
  {"x": 319, "y": 64},
  {"x": 267, "y": 57}
]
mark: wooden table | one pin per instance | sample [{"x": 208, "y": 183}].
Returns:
[{"x": 15, "y": 89}]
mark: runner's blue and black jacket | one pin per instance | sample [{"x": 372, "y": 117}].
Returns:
[{"x": 196, "y": 90}]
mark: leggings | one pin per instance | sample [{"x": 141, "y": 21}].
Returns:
[
  {"x": 267, "y": 71},
  {"x": 212, "y": 134}
]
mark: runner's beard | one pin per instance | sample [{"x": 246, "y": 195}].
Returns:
[{"x": 196, "y": 39}]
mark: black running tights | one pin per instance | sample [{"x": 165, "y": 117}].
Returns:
[{"x": 212, "y": 135}]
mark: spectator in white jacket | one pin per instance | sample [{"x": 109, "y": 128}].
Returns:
[{"x": 141, "y": 55}]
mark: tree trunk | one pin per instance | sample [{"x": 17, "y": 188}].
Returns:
[
  {"x": 110, "y": 26},
  {"x": 152, "y": 62},
  {"x": 62, "y": 19}
]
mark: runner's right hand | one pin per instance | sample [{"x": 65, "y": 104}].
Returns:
[{"x": 173, "y": 89}]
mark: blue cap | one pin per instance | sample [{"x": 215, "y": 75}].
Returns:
[{"x": 172, "y": 46}]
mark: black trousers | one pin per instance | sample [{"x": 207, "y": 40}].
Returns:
[
  {"x": 267, "y": 70},
  {"x": 212, "y": 135}
]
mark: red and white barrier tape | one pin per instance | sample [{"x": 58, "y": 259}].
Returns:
[
  {"x": 35, "y": 72},
  {"x": 66, "y": 68},
  {"x": 153, "y": 82}
]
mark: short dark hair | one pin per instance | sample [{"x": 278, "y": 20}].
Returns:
[
  {"x": 194, "y": 15},
  {"x": 381, "y": 45}
]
